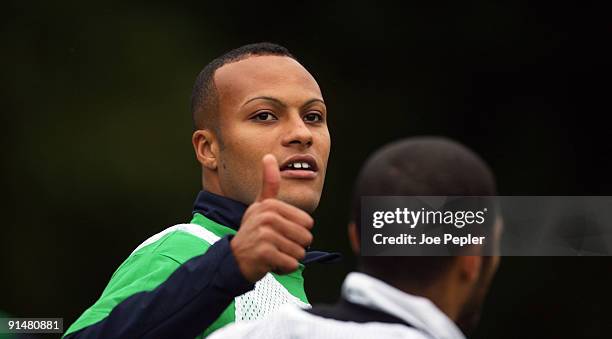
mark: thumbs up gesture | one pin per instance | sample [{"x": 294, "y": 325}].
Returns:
[{"x": 273, "y": 234}]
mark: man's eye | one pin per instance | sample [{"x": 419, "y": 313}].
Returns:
[
  {"x": 264, "y": 116},
  {"x": 313, "y": 117}
]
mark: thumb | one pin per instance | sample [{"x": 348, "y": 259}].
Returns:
[{"x": 271, "y": 178}]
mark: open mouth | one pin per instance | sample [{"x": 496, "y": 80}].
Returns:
[{"x": 299, "y": 166}]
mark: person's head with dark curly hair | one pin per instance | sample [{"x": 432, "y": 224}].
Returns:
[{"x": 432, "y": 166}]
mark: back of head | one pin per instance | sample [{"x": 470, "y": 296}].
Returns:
[{"x": 419, "y": 166}]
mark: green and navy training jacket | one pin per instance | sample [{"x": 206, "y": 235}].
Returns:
[{"x": 184, "y": 282}]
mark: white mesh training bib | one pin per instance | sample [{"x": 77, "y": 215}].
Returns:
[{"x": 267, "y": 297}]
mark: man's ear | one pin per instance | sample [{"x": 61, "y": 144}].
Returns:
[
  {"x": 354, "y": 238},
  {"x": 206, "y": 148},
  {"x": 469, "y": 267}
]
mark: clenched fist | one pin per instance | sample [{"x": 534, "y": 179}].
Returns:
[{"x": 273, "y": 235}]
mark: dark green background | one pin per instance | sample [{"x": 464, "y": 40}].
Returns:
[{"x": 96, "y": 152}]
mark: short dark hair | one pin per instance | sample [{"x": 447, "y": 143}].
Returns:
[
  {"x": 419, "y": 166},
  {"x": 204, "y": 99}
]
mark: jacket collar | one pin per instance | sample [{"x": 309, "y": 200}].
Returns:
[
  {"x": 228, "y": 212},
  {"x": 420, "y": 312},
  {"x": 222, "y": 210}
]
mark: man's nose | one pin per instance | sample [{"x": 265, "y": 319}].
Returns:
[{"x": 298, "y": 133}]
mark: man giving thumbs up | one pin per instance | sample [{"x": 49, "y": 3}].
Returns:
[
  {"x": 262, "y": 140},
  {"x": 273, "y": 234}
]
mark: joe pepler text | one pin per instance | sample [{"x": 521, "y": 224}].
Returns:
[{"x": 446, "y": 239}]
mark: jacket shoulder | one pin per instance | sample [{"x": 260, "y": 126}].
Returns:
[{"x": 179, "y": 243}]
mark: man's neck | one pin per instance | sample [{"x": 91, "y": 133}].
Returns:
[{"x": 442, "y": 292}]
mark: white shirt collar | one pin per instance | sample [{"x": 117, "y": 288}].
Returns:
[{"x": 420, "y": 312}]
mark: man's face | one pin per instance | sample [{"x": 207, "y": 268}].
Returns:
[
  {"x": 470, "y": 315},
  {"x": 271, "y": 104}
]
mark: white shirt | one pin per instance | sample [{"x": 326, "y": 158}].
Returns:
[{"x": 292, "y": 322}]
